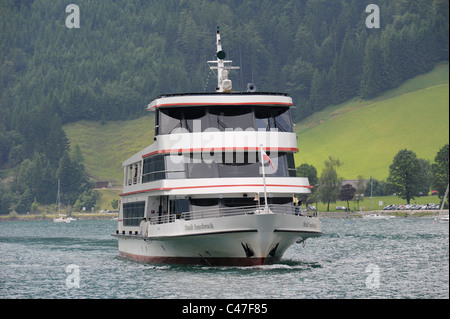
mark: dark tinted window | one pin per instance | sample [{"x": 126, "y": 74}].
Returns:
[
  {"x": 282, "y": 119},
  {"x": 153, "y": 169},
  {"x": 169, "y": 120},
  {"x": 198, "y": 119},
  {"x": 231, "y": 117},
  {"x": 133, "y": 213}
]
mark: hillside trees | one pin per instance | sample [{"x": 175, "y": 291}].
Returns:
[
  {"x": 127, "y": 52},
  {"x": 73, "y": 179},
  {"x": 439, "y": 170},
  {"x": 309, "y": 171},
  {"x": 347, "y": 193},
  {"x": 404, "y": 175},
  {"x": 330, "y": 182}
]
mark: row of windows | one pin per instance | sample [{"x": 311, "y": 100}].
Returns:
[
  {"x": 222, "y": 118},
  {"x": 237, "y": 202},
  {"x": 133, "y": 213},
  {"x": 241, "y": 164}
]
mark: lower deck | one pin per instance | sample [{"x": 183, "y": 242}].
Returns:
[{"x": 248, "y": 238}]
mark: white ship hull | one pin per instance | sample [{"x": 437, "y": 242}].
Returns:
[{"x": 243, "y": 240}]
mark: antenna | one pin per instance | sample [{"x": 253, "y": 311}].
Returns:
[{"x": 224, "y": 84}]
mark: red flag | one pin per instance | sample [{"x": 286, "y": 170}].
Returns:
[{"x": 267, "y": 158}]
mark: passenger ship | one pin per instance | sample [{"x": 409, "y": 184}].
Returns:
[{"x": 218, "y": 184}]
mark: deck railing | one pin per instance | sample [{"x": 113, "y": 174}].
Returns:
[
  {"x": 244, "y": 210},
  {"x": 231, "y": 211}
]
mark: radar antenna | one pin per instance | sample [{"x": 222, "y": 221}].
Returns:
[{"x": 223, "y": 66}]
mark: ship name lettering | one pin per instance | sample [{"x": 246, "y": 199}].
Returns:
[
  {"x": 309, "y": 225},
  {"x": 198, "y": 227}
]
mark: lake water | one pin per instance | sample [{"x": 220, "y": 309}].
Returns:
[{"x": 401, "y": 258}]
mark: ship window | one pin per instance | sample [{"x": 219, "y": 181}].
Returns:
[
  {"x": 195, "y": 119},
  {"x": 291, "y": 165},
  {"x": 282, "y": 119},
  {"x": 202, "y": 169},
  {"x": 236, "y": 164},
  {"x": 133, "y": 213},
  {"x": 263, "y": 118},
  {"x": 231, "y": 117},
  {"x": 239, "y": 202},
  {"x": 199, "y": 118},
  {"x": 169, "y": 120},
  {"x": 280, "y": 200},
  {"x": 273, "y": 118},
  {"x": 205, "y": 202},
  {"x": 153, "y": 169},
  {"x": 174, "y": 167},
  {"x": 239, "y": 170},
  {"x": 190, "y": 119},
  {"x": 279, "y": 165},
  {"x": 178, "y": 206},
  {"x": 239, "y": 165}
]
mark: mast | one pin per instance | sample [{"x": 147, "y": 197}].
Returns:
[
  {"x": 224, "y": 84},
  {"x": 58, "y": 198},
  {"x": 443, "y": 200}
]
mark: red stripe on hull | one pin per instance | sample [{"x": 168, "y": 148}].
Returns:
[
  {"x": 209, "y": 261},
  {"x": 217, "y": 149}
]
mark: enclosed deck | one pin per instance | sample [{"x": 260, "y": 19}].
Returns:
[{"x": 242, "y": 236}]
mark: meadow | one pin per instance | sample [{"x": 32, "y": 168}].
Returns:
[
  {"x": 366, "y": 135},
  {"x": 106, "y": 146}
]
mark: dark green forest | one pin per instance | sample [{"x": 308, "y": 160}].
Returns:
[{"x": 126, "y": 52}]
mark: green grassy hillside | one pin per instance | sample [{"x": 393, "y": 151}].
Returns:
[
  {"x": 105, "y": 147},
  {"x": 364, "y": 135}
]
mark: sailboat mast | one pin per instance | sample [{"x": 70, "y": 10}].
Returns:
[
  {"x": 444, "y": 199},
  {"x": 58, "y": 198}
]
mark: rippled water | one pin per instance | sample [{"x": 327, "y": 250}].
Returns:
[{"x": 401, "y": 258}]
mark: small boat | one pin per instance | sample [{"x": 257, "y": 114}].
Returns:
[
  {"x": 441, "y": 217},
  {"x": 377, "y": 216},
  {"x": 62, "y": 218}
]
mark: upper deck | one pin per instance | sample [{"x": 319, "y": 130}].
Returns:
[{"x": 224, "y": 112}]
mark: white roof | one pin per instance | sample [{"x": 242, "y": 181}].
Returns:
[{"x": 199, "y": 99}]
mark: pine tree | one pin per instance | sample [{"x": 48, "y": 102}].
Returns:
[{"x": 373, "y": 76}]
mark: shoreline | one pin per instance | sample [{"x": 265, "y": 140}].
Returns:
[
  {"x": 396, "y": 213},
  {"x": 49, "y": 217},
  {"x": 99, "y": 216}
]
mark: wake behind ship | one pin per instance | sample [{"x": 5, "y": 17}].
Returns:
[{"x": 218, "y": 185}]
